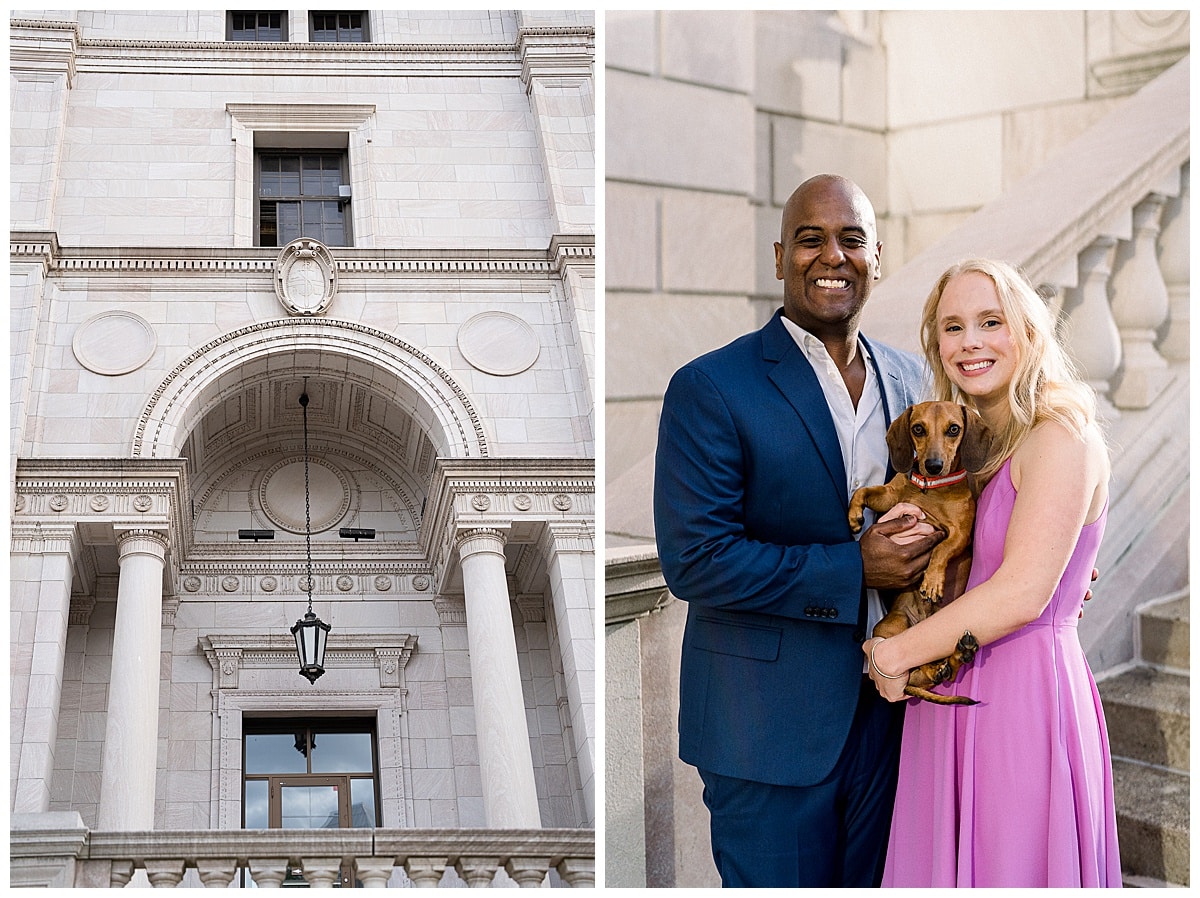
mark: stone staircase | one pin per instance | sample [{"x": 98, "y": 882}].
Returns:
[{"x": 1146, "y": 707}]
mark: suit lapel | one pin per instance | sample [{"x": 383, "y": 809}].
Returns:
[{"x": 794, "y": 377}]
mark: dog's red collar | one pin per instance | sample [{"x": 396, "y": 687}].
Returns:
[{"x": 931, "y": 483}]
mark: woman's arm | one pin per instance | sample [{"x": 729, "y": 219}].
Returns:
[{"x": 1061, "y": 484}]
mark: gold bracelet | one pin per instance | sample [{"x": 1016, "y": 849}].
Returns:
[{"x": 876, "y": 666}]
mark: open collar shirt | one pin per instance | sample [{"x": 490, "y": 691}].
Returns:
[{"x": 861, "y": 431}]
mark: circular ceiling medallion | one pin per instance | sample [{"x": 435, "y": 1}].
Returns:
[
  {"x": 282, "y": 495},
  {"x": 114, "y": 342},
  {"x": 498, "y": 343}
]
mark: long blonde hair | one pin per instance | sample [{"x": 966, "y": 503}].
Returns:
[{"x": 1045, "y": 386}]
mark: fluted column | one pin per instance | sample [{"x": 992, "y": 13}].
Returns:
[
  {"x": 131, "y": 733},
  {"x": 505, "y": 759},
  {"x": 1090, "y": 331},
  {"x": 42, "y": 566},
  {"x": 1140, "y": 307},
  {"x": 570, "y": 556}
]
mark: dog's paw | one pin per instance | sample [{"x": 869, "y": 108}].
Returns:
[
  {"x": 932, "y": 587},
  {"x": 967, "y": 646}
]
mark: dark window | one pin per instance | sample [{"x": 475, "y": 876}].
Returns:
[
  {"x": 301, "y": 195},
  {"x": 339, "y": 27},
  {"x": 257, "y": 26}
]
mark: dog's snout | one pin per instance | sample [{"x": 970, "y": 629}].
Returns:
[{"x": 934, "y": 465}]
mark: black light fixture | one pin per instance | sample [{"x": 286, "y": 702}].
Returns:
[
  {"x": 256, "y": 535},
  {"x": 310, "y": 631},
  {"x": 357, "y": 533}
]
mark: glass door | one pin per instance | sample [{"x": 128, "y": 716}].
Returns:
[{"x": 310, "y": 802}]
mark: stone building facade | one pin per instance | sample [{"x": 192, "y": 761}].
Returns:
[{"x": 392, "y": 214}]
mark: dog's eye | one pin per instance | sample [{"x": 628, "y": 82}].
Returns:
[
  {"x": 953, "y": 430},
  {"x": 918, "y": 430}
]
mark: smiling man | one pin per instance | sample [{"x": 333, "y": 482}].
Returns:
[{"x": 761, "y": 444}]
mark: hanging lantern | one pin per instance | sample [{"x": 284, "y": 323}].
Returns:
[{"x": 310, "y": 631}]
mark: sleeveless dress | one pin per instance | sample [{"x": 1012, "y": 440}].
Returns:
[{"x": 1017, "y": 790}]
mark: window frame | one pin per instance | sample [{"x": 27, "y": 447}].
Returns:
[
  {"x": 364, "y": 27},
  {"x": 344, "y": 201},
  {"x": 230, "y": 30},
  {"x": 276, "y": 780}
]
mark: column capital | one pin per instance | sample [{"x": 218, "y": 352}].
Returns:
[
  {"x": 142, "y": 541},
  {"x": 471, "y": 540},
  {"x": 39, "y": 538}
]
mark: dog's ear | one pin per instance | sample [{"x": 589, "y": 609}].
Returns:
[
  {"x": 900, "y": 444},
  {"x": 976, "y": 442}
]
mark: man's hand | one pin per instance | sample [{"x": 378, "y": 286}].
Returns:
[{"x": 888, "y": 565}]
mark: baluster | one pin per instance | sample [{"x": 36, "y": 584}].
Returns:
[
  {"x": 374, "y": 872},
  {"x": 578, "y": 872},
  {"x": 1174, "y": 259},
  {"x": 122, "y": 872},
  {"x": 268, "y": 873},
  {"x": 1088, "y": 326},
  {"x": 477, "y": 872},
  {"x": 216, "y": 873},
  {"x": 322, "y": 872},
  {"x": 527, "y": 872},
  {"x": 164, "y": 874},
  {"x": 425, "y": 872},
  {"x": 1139, "y": 306}
]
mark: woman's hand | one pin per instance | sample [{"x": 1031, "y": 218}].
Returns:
[{"x": 890, "y": 687}]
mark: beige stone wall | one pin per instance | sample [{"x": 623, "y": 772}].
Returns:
[{"x": 712, "y": 119}]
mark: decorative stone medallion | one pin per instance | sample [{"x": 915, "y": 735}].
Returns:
[
  {"x": 268, "y": 584},
  {"x": 191, "y": 584},
  {"x": 58, "y": 503},
  {"x": 562, "y": 502},
  {"x": 114, "y": 342},
  {"x": 282, "y": 495},
  {"x": 522, "y": 502},
  {"x": 229, "y": 584},
  {"x": 143, "y": 503},
  {"x": 481, "y": 502},
  {"x": 98, "y": 503},
  {"x": 498, "y": 343},
  {"x": 382, "y": 583},
  {"x": 345, "y": 583},
  {"x": 305, "y": 277},
  {"x": 420, "y": 583}
]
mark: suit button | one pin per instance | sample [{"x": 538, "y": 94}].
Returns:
[{"x": 833, "y": 612}]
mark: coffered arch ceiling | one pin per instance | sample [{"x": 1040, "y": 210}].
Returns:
[{"x": 370, "y": 458}]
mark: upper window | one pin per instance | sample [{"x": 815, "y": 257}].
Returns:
[
  {"x": 339, "y": 27},
  {"x": 302, "y": 194},
  {"x": 256, "y": 26}
]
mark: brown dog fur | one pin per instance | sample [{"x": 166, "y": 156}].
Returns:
[{"x": 939, "y": 438}]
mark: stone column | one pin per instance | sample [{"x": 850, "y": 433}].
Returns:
[
  {"x": 505, "y": 759},
  {"x": 42, "y": 566},
  {"x": 130, "y": 761},
  {"x": 570, "y": 558}
]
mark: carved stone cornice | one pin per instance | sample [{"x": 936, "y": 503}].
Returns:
[
  {"x": 634, "y": 585},
  {"x": 230, "y": 653}
]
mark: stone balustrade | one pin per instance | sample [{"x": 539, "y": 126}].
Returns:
[
  {"x": 1102, "y": 229},
  {"x": 62, "y": 852}
]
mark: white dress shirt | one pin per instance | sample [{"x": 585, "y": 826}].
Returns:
[{"x": 861, "y": 431}]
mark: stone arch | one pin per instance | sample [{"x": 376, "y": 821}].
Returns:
[{"x": 420, "y": 384}]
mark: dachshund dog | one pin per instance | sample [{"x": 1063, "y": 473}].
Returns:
[{"x": 934, "y": 447}]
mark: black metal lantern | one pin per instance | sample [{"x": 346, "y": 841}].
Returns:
[{"x": 310, "y": 631}]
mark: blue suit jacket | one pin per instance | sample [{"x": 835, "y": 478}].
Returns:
[{"x": 750, "y": 512}]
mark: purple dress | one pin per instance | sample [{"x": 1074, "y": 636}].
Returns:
[{"x": 1017, "y": 790}]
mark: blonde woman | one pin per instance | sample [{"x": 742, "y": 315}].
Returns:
[{"x": 1016, "y": 790}]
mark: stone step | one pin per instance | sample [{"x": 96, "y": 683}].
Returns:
[
  {"x": 1147, "y": 712},
  {"x": 1152, "y": 822},
  {"x": 1165, "y": 634}
]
